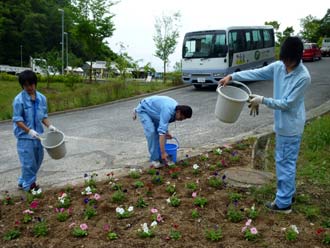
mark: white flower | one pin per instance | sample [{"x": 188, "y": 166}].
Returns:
[
  {"x": 195, "y": 166},
  {"x": 145, "y": 227},
  {"x": 153, "y": 224},
  {"x": 120, "y": 210},
  {"x": 253, "y": 207},
  {"x": 168, "y": 200},
  {"x": 133, "y": 170},
  {"x": 294, "y": 228},
  {"x": 130, "y": 209}
]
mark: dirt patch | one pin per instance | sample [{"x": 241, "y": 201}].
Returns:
[{"x": 177, "y": 227}]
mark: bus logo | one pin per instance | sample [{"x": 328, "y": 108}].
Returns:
[{"x": 257, "y": 55}]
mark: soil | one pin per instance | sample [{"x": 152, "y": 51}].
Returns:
[{"x": 212, "y": 216}]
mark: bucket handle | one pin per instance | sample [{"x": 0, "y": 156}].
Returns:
[
  {"x": 176, "y": 140},
  {"x": 237, "y": 82}
]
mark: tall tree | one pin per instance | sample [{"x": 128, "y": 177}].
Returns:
[
  {"x": 166, "y": 37},
  {"x": 310, "y": 28},
  {"x": 94, "y": 24},
  {"x": 276, "y": 27}
]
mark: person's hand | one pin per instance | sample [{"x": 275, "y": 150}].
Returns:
[
  {"x": 168, "y": 136},
  {"x": 52, "y": 128},
  {"x": 33, "y": 134},
  {"x": 225, "y": 80},
  {"x": 254, "y": 110},
  {"x": 255, "y": 100}
]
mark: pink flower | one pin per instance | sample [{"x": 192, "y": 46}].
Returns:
[
  {"x": 244, "y": 229},
  {"x": 159, "y": 218},
  {"x": 34, "y": 204},
  {"x": 97, "y": 197},
  {"x": 72, "y": 225},
  {"x": 154, "y": 210},
  {"x": 254, "y": 230},
  {"x": 248, "y": 222},
  {"x": 83, "y": 227},
  {"x": 27, "y": 211},
  {"x": 194, "y": 194},
  {"x": 106, "y": 227}
]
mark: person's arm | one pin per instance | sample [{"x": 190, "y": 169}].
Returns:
[{"x": 162, "y": 141}]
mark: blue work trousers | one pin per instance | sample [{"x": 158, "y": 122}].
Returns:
[
  {"x": 31, "y": 154},
  {"x": 286, "y": 155},
  {"x": 150, "y": 131}
]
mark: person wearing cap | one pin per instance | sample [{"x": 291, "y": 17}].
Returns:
[
  {"x": 29, "y": 113},
  {"x": 155, "y": 113},
  {"x": 290, "y": 82}
]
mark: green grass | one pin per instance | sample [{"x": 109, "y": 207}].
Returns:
[{"x": 62, "y": 96}]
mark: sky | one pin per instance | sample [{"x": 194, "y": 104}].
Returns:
[{"x": 135, "y": 19}]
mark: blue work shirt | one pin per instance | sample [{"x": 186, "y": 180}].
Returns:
[
  {"x": 161, "y": 109},
  {"x": 288, "y": 97},
  {"x": 30, "y": 112}
]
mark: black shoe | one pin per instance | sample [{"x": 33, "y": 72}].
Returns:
[
  {"x": 273, "y": 207},
  {"x": 20, "y": 186},
  {"x": 34, "y": 187}
]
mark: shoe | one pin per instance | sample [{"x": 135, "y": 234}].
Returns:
[
  {"x": 273, "y": 207},
  {"x": 156, "y": 164},
  {"x": 34, "y": 186},
  {"x": 20, "y": 186}
]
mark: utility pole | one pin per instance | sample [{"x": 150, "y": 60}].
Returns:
[
  {"x": 66, "y": 51},
  {"x": 62, "y": 11}
]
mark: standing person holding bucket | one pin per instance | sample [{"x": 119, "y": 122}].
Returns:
[
  {"x": 29, "y": 113},
  {"x": 155, "y": 114},
  {"x": 291, "y": 79}
]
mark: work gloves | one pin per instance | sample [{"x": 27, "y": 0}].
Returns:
[
  {"x": 254, "y": 101},
  {"x": 52, "y": 128},
  {"x": 33, "y": 134}
]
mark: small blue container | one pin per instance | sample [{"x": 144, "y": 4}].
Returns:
[{"x": 171, "y": 150}]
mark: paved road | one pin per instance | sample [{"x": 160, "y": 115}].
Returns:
[{"x": 105, "y": 138}]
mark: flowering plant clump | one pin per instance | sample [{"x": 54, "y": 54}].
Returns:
[
  {"x": 92, "y": 200},
  {"x": 204, "y": 157},
  {"x": 250, "y": 233},
  {"x": 80, "y": 231},
  {"x": 234, "y": 214},
  {"x": 152, "y": 170},
  {"x": 138, "y": 184},
  {"x": 196, "y": 169},
  {"x": 170, "y": 188},
  {"x": 91, "y": 182},
  {"x": 33, "y": 194},
  {"x": 195, "y": 213},
  {"x": 214, "y": 234},
  {"x": 7, "y": 200},
  {"x": 191, "y": 186},
  {"x": 12, "y": 234},
  {"x": 118, "y": 196},
  {"x": 64, "y": 200},
  {"x": 234, "y": 157},
  {"x": 156, "y": 216},
  {"x": 174, "y": 172},
  {"x": 252, "y": 212},
  {"x": 63, "y": 214},
  {"x": 200, "y": 202},
  {"x": 174, "y": 201},
  {"x": 145, "y": 231},
  {"x": 217, "y": 151},
  {"x": 27, "y": 216},
  {"x": 324, "y": 234},
  {"x": 291, "y": 233},
  {"x": 40, "y": 229},
  {"x": 215, "y": 182},
  {"x": 157, "y": 179},
  {"x": 141, "y": 203},
  {"x": 112, "y": 235},
  {"x": 89, "y": 212},
  {"x": 134, "y": 173},
  {"x": 89, "y": 190},
  {"x": 122, "y": 213}
]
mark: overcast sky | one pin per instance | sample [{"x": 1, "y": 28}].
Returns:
[{"x": 135, "y": 19}]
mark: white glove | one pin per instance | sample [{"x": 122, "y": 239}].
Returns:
[
  {"x": 255, "y": 100},
  {"x": 33, "y": 134},
  {"x": 53, "y": 129}
]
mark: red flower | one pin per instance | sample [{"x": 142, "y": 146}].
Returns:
[
  {"x": 319, "y": 231},
  {"x": 34, "y": 204},
  {"x": 175, "y": 226}
]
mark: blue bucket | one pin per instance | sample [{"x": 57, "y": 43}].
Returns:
[{"x": 171, "y": 150}]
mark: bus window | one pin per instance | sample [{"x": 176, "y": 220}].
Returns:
[
  {"x": 257, "y": 40},
  {"x": 268, "y": 38},
  {"x": 219, "y": 48},
  {"x": 248, "y": 40},
  {"x": 236, "y": 39}
]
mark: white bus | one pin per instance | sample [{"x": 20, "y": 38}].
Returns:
[{"x": 208, "y": 56}]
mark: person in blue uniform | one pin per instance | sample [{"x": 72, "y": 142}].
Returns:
[
  {"x": 29, "y": 113},
  {"x": 290, "y": 82},
  {"x": 155, "y": 113}
]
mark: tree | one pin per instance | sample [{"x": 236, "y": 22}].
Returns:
[
  {"x": 310, "y": 28},
  {"x": 325, "y": 25},
  {"x": 94, "y": 24},
  {"x": 166, "y": 37}
]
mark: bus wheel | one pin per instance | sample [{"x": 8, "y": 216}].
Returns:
[{"x": 197, "y": 86}]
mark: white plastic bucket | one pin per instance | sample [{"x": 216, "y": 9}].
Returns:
[
  {"x": 230, "y": 102},
  {"x": 54, "y": 144}
]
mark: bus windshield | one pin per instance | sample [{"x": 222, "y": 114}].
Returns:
[{"x": 206, "y": 45}]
